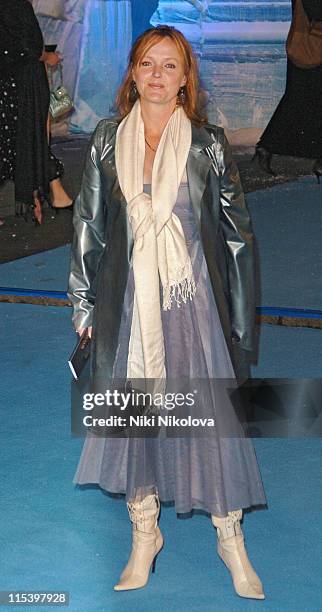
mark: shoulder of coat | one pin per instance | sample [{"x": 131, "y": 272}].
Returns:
[
  {"x": 104, "y": 133},
  {"x": 215, "y": 132},
  {"x": 209, "y": 138},
  {"x": 107, "y": 126}
]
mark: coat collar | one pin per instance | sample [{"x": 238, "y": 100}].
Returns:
[{"x": 200, "y": 138}]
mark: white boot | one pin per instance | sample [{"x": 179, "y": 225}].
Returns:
[
  {"x": 146, "y": 543},
  {"x": 232, "y": 551}
]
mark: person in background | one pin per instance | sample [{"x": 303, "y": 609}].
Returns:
[
  {"x": 295, "y": 129},
  {"x": 25, "y": 155}
]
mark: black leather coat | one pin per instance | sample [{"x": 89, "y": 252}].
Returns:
[{"x": 103, "y": 241}]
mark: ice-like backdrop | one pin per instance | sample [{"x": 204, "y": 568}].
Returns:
[
  {"x": 241, "y": 49},
  {"x": 240, "y": 45},
  {"x": 106, "y": 44}
]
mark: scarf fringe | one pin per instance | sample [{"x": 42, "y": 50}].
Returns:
[{"x": 179, "y": 292}]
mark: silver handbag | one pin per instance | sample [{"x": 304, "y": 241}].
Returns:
[{"x": 60, "y": 100}]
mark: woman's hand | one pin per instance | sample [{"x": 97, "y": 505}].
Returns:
[
  {"x": 89, "y": 331},
  {"x": 51, "y": 59}
]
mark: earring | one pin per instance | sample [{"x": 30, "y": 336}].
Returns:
[
  {"x": 182, "y": 95},
  {"x": 134, "y": 90}
]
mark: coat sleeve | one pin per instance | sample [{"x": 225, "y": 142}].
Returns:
[
  {"x": 237, "y": 230},
  {"x": 88, "y": 241}
]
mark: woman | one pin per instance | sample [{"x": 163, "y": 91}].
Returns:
[
  {"x": 25, "y": 156},
  {"x": 161, "y": 217},
  {"x": 296, "y": 126}
]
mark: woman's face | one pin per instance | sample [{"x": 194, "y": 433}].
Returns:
[{"x": 160, "y": 74}]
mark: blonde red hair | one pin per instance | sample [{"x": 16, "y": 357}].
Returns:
[{"x": 127, "y": 95}]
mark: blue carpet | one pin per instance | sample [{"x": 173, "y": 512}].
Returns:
[
  {"x": 57, "y": 537},
  {"x": 289, "y": 352},
  {"x": 47, "y": 270},
  {"x": 287, "y": 226}
]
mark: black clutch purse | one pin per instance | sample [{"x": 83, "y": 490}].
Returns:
[{"x": 80, "y": 355}]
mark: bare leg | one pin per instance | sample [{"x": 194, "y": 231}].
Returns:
[
  {"x": 59, "y": 197},
  {"x": 37, "y": 208}
]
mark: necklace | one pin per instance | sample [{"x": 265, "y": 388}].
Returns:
[{"x": 154, "y": 150}]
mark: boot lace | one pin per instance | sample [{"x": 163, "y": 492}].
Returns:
[
  {"x": 137, "y": 509},
  {"x": 232, "y": 522}
]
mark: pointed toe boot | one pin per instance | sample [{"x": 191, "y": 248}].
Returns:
[
  {"x": 231, "y": 549},
  {"x": 147, "y": 541}
]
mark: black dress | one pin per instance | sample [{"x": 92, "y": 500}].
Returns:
[
  {"x": 25, "y": 156},
  {"x": 296, "y": 126}
]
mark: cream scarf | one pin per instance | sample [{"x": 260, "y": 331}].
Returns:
[{"x": 159, "y": 242}]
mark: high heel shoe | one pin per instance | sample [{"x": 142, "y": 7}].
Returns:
[
  {"x": 231, "y": 550},
  {"x": 264, "y": 158},
  {"x": 147, "y": 542},
  {"x": 317, "y": 169}
]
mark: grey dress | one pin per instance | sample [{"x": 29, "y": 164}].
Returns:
[{"x": 215, "y": 473}]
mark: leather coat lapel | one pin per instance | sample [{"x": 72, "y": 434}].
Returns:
[
  {"x": 108, "y": 151},
  {"x": 198, "y": 166}
]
